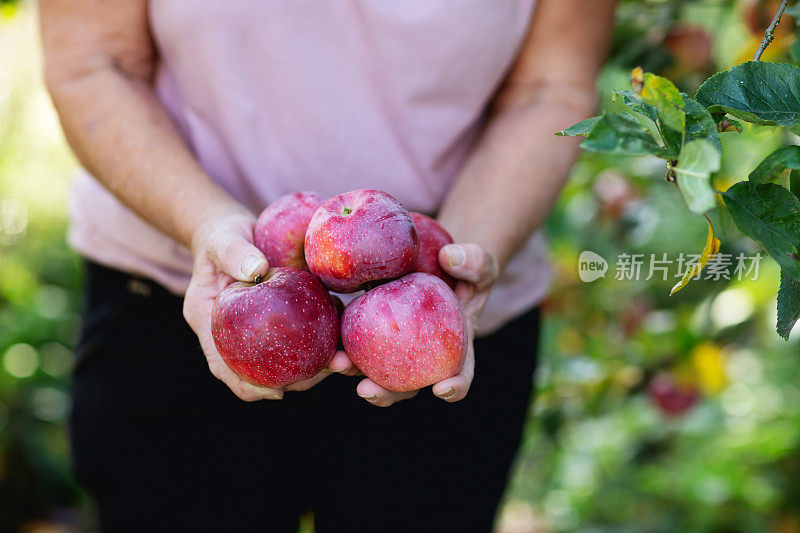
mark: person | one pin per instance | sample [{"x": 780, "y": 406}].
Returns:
[{"x": 189, "y": 117}]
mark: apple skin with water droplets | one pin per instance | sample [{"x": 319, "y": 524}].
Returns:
[
  {"x": 280, "y": 230},
  {"x": 406, "y": 334},
  {"x": 432, "y": 236},
  {"x": 360, "y": 237},
  {"x": 278, "y": 332}
]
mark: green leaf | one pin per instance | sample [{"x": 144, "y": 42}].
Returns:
[
  {"x": 581, "y": 128},
  {"x": 775, "y": 163},
  {"x": 697, "y": 161},
  {"x": 756, "y": 91},
  {"x": 699, "y": 122},
  {"x": 621, "y": 135},
  {"x": 700, "y": 125},
  {"x": 649, "y": 113},
  {"x": 794, "y": 182},
  {"x": 770, "y": 215},
  {"x": 788, "y": 304},
  {"x": 661, "y": 94},
  {"x": 632, "y": 100}
]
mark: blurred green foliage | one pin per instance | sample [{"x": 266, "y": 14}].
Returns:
[
  {"x": 600, "y": 454},
  {"x": 39, "y": 289}
]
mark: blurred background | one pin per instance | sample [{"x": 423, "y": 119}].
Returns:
[{"x": 653, "y": 413}]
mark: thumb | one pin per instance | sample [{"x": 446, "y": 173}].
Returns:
[
  {"x": 239, "y": 259},
  {"x": 469, "y": 262}
]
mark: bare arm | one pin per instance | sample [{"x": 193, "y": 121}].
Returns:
[
  {"x": 518, "y": 167},
  {"x": 99, "y": 65}
]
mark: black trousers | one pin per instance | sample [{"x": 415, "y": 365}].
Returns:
[{"x": 162, "y": 445}]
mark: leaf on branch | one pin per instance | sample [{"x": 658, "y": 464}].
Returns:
[
  {"x": 699, "y": 125},
  {"x": 622, "y": 135},
  {"x": 699, "y": 122},
  {"x": 632, "y": 100},
  {"x": 794, "y": 182},
  {"x": 584, "y": 127},
  {"x": 756, "y": 91},
  {"x": 711, "y": 248},
  {"x": 775, "y": 163},
  {"x": 697, "y": 161},
  {"x": 770, "y": 215},
  {"x": 788, "y": 304},
  {"x": 661, "y": 94}
]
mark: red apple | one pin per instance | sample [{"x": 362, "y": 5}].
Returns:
[
  {"x": 432, "y": 236},
  {"x": 280, "y": 331},
  {"x": 671, "y": 397},
  {"x": 360, "y": 237},
  {"x": 280, "y": 230},
  {"x": 406, "y": 334}
]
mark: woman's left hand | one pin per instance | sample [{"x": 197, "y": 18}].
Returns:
[{"x": 476, "y": 270}]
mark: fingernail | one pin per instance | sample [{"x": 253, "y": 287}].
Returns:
[
  {"x": 455, "y": 255},
  {"x": 250, "y": 266},
  {"x": 447, "y": 394},
  {"x": 370, "y": 398},
  {"x": 274, "y": 396}
]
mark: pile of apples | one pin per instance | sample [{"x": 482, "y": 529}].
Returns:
[{"x": 405, "y": 332}]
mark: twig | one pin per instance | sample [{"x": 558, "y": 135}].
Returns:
[{"x": 769, "y": 35}]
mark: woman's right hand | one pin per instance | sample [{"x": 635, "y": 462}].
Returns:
[{"x": 223, "y": 252}]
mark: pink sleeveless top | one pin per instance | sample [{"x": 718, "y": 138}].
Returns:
[{"x": 275, "y": 96}]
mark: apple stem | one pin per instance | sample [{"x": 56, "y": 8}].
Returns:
[{"x": 346, "y": 211}]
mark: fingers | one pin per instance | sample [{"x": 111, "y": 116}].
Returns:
[
  {"x": 472, "y": 301},
  {"x": 308, "y": 383},
  {"x": 377, "y": 395},
  {"x": 227, "y": 243},
  {"x": 470, "y": 262},
  {"x": 197, "y": 307},
  {"x": 341, "y": 364},
  {"x": 478, "y": 269},
  {"x": 238, "y": 258},
  {"x": 243, "y": 390},
  {"x": 455, "y": 389}
]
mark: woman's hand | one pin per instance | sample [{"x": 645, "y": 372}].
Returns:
[
  {"x": 476, "y": 269},
  {"x": 223, "y": 253}
]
